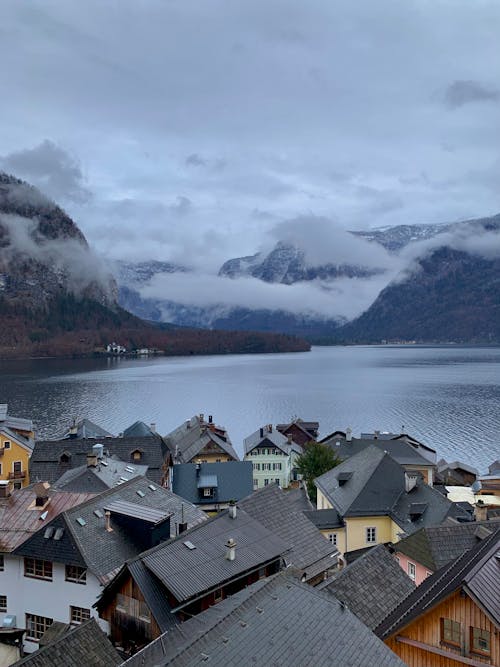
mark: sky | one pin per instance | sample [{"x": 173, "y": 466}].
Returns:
[{"x": 196, "y": 131}]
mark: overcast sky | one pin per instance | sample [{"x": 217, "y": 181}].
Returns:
[{"x": 172, "y": 129}]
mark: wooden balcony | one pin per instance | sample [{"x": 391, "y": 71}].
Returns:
[{"x": 17, "y": 475}]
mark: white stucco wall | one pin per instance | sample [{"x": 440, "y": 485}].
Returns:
[
  {"x": 45, "y": 598},
  {"x": 272, "y": 475}
]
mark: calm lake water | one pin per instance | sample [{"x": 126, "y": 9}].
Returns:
[{"x": 448, "y": 397}]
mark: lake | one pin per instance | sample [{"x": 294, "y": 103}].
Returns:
[{"x": 448, "y": 397}]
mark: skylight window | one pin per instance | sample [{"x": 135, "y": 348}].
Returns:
[
  {"x": 189, "y": 545},
  {"x": 59, "y": 533},
  {"x": 81, "y": 521},
  {"x": 153, "y": 488},
  {"x": 140, "y": 493},
  {"x": 99, "y": 514},
  {"x": 49, "y": 532}
]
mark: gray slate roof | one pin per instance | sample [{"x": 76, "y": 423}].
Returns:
[
  {"x": 187, "y": 572},
  {"x": 270, "y": 438},
  {"x": 371, "y": 586},
  {"x": 138, "y": 430},
  {"x": 13, "y": 422},
  {"x": 278, "y": 622},
  {"x": 87, "y": 429},
  {"x": 372, "y": 483},
  {"x": 101, "y": 477},
  {"x": 232, "y": 480},
  {"x": 46, "y": 464},
  {"x": 186, "y": 441},
  {"x": 435, "y": 546},
  {"x": 84, "y": 645},
  {"x": 91, "y": 545},
  {"x": 400, "y": 450},
  {"x": 324, "y": 519},
  {"x": 310, "y": 552},
  {"x": 477, "y": 571}
]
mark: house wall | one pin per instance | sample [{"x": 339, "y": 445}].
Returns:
[
  {"x": 8, "y": 456},
  {"x": 356, "y": 531},
  {"x": 421, "y": 572},
  {"x": 45, "y": 598},
  {"x": 322, "y": 503},
  {"x": 427, "y": 472},
  {"x": 210, "y": 457},
  {"x": 341, "y": 537},
  {"x": 427, "y": 630},
  {"x": 270, "y": 460}
]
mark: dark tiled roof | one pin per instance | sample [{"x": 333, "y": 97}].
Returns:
[
  {"x": 324, "y": 519},
  {"x": 17, "y": 423},
  {"x": 101, "y": 477},
  {"x": 87, "y": 429},
  {"x": 476, "y": 570},
  {"x": 84, "y": 645},
  {"x": 270, "y": 438},
  {"x": 187, "y": 440},
  {"x": 276, "y": 510},
  {"x": 400, "y": 450},
  {"x": 187, "y": 572},
  {"x": 46, "y": 465},
  {"x": 155, "y": 595},
  {"x": 435, "y": 546},
  {"x": 91, "y": 545},
  {"x": 372, "y": 586},
  {"x": 234, "y": 481},
  {"x": 278, "y": 622},
  {"x": 139, "y": 430}
]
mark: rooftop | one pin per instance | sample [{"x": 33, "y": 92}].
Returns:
[
  {"x": 268, "y": 436},
  {"x": 108, "y": 472},
  {"x": 16, "y": 423},
  {"x": 231, "y": 480},
  {"x": 187, "y": 440}
]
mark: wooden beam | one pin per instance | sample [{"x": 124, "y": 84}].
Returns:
[{"x": 439, "y": 651}]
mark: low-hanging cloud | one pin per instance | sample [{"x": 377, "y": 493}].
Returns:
[
  {"x": 51, "y": 168},
  {"x": 460, "y": 93}
]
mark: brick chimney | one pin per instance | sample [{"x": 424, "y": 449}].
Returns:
[{"x": 480, "y": 511}]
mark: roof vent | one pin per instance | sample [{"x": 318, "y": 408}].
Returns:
[
  {"x": 410, "y": 481},
  {"x": 232, "y": 510},
  {"x": 344, "y": 477},
  {"x": 230, "y": 549},
  {"x": 43, "y": 515}
]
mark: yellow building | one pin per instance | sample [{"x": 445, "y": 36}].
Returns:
[
  {"x": 371, "y": 499},
  {"x": 16, "y": 446}
]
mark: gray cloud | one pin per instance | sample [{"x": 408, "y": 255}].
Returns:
[
  {"x": 50, "y": 168},
  {"x": 460, "y": 93},
  {"x": 195, "y": 160}
]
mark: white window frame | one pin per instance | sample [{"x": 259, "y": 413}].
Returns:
[
  {"x": 332, "y": 537},
  {"x": 412, "y": 570},
  {"x": 371, "y": 534}
]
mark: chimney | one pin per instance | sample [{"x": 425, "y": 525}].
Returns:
[
  {"x": 232, "y": 510},
  {"x": 182, "y": 527},
  {"x": 289, "y": 438},
  {"x": 348, "y": 434},
  {"x": 210, "y": 419},
  {"x": 91, "y": 460},
  {"x": 480, "y": 511},
  {"x": 376, "y": 434},
  {"x": 231, "y": 549},
  {"x": 188, "y": 423},
  {"x": 410, "y": 482},
  {"x": 202, "y": 417},
  {"x": 152, "y": 426},
  {"x": 107, "y": 514},
  {"x": 42, "y": 493},
  {"x": 269, "y": 428},
  {"x": 98, "y": 451},
  {"x": 198, "y": 468},
  {"x": 261, "y": 432},
  {"x": 4, "y": 488},
  {"x": 73, "y": 430}
]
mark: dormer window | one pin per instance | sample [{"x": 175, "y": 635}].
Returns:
[
  {"x": 136, "y": 455},
  {"x": 207, "y": 493},
  {"x": 65, "y": 457}
]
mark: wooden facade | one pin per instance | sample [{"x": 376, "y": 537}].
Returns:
[{"x": 422, "y": 643}]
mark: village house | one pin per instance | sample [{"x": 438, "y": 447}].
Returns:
[
  {"x": 16, "y": 446},
  {"x": 52, "y": 458},
  {"x": 453, "y": 617},
  {"x": 212, "y": 486},
  {"x": 199, "y": 441},
  {"x": 455, "y": 473},
  {"x": 58, "y": 572},
  {"x": 428, "y": 549},
  {"x": 278, "y": 621},
  {"x": 300, "y": 431},
  {"x": 371, "y": 586},
  {"x": 378, "y": 501},
  {"x": 86, "y": 429},
  {"x": 408, "y": 452},
  {"x": 273, "y": 455},
  {"x": 170, "y": 583}
]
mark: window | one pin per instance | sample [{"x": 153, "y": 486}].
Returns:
[
  {"x": 3, "y": 603},
  {"x": 76, "y": 574},
  {"x": 17, "y": 486},
  {"x": 78, "y": 615},
  {"x": 39, "y": 569},
  {"x": 255, "y": 482},
  {"x": 2, "y": 563},
  {"x": 371, "y": 535},
  {"x": 0, "y": 469},
  {"x": 412, "y": 570},
  {"x": 256, "y": 466},
  {"x": 207, "y": 493},
  {"x": 480, "y": 641},
  {"x": 266, "y": 482},
  {"x": 333, "y": 538},
  {"x": 17, "y": 467},
  {"x": 136, "y": 455},
  {"x": 133, "y": 607},
  {"x": 450, "y": 632},
  {"x": 6, "y": 444},
  {"x": 277, "y": 480},
  {"x": 218, "y": 595},
  {"x": 36, "y": 626}
]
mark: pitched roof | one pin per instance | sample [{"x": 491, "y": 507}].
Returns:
[
  {"x": 435, "y": 546},
  {"x": 20, "y": 518},
  {"x": 87, "y": 429},
  {"x": 109, "y": 472},
  {"x": 46, "y": 463},
  {"x": 27, "y": 443},
  {"x": 324, "y": 519},
  {"x": 138, "y": 430},
  {"x": 477, "y": 571},
  {"x": 371, "y": 586},
  {"x": 186, "y": 571},
  {"x": 84, "y": 645},
  {"x": 85, "y": 541},
  {"x": 401, "y": 450},
  {"x": 270, "y": 437},
  {"x": 372, "y": 483},
  {"x": 16, "y": 423},
  {"x": 310, "y": 552},
  {"x": 232, "y": 480},
  {"x": 277, "y": 621},
  {"x": 187, "y": 440}
]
